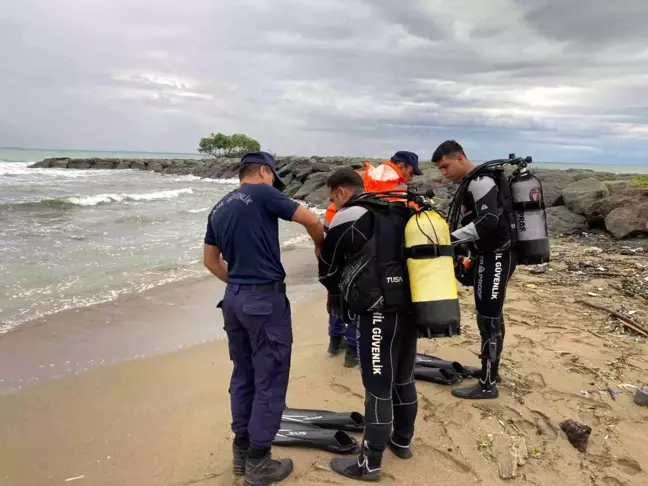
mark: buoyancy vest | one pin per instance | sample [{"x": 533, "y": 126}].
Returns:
[{"x": 376, "y": 280}]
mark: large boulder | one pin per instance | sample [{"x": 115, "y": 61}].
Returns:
[
  {"x": 104, "y": 164},
  {"x": 624, "y": 222},
  {"x": 311, "y": 184},
  {"x": 553, "y": 183},
  {"x": 581, "y": 194},
  {"x": 561, "y": 221},
  {"x": 618, "y": 187},
  {"x": 319, "y": 197},
  {"x": 138, "y": 165},
  {"x": 598, "y": 210},
  {"x": 79, "y": 164},
  {"x": 59, "y": 164}
]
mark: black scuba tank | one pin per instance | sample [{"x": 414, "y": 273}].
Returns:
[{"x": 532, "y": 246}]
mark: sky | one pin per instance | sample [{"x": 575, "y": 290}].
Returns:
[{"x": 563, "y": 80}]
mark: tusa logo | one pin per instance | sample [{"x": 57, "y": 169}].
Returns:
[
  {"x": 535, "y": 194},
  {"x": 395, "y": 279}
]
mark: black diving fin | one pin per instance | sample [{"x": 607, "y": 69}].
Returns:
[
  {"x": 311, "y": 436},
  {"x": 436, "y": 375},
  {"x": 324, "y": 419},
  {"x": 434, "y": 362}
]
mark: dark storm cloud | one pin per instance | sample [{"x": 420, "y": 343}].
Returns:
[{"x": 359, "y": 77}]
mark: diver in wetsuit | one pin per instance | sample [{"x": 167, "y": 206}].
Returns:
[
  {"x": 386, "y": 338},
  {"x": 486, "y": 232}
]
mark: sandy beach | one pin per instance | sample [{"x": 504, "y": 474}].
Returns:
[{"x": 164, "y": 419}]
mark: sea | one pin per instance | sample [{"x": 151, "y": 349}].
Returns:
[{"x": 73, "y": 238}]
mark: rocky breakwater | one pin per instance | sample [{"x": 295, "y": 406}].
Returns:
[{"x": 577, "y": 200}]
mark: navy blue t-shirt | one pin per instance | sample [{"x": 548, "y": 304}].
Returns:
[{"x": 244, "y": 225}]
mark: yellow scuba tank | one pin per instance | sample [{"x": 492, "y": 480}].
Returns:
[{"x": 430, "y": 266}]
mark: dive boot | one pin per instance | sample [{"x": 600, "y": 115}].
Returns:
[
  {"x": 260, "y": 472},
  {"x": 404, "y": 452},
  {"x": 479, "y": 391},
  {"x": 240, "y": 456},
  {"x": 351, "y": 357},
  {"x": 335, "y": 345},
  {"x": 361, "y": 468}
]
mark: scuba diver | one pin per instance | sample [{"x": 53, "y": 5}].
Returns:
[
  {"x": 393, "y": 174},
  {"x": 486, "y": 231},
  {"x": 350, "y": 264}
]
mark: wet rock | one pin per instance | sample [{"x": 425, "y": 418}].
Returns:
[
  {"x": 319, "y": 197},
  {"x": 155, "y": 166},
  {"x": 138, "y": 165},
  {"x": 561, "y": 221},
  {"x": 313, "y": 183},
  {"x": 104, "y": 164},
  {"x": 581, "y": 194},
  {"x": 511, "y": 453},
  {"x": 124, "y": 164},
  {"x": 79, "y": 164},
  {"x": 578, "y": 434}
]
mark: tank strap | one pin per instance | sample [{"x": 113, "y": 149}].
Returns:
[
  {"x": 429, "y": 251},
  {"x": 528, "y": 205}
]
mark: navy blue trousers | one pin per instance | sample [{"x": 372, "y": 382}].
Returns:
[
  {"x": 259, "y": 332},
  {"x": 337, "y": 327}
]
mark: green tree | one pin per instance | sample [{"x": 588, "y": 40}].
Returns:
[{"x": 221, "y": 145}]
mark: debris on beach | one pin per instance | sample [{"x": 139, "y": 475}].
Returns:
[
  {"x": 641, "y": 396},
  {"x": 577, "y": 434},
  {"x": 511, "y": 453}
]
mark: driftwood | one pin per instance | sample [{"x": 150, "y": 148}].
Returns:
[{"x": 625, "y": 320}]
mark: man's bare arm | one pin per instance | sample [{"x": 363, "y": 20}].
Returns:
[
  {"x": 214, "y": 262},
  {"x": 312, "y": 223}
]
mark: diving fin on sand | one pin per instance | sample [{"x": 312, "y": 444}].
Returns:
[
  {"x": 304, "y": 435},
  {"x": 458, "y": 368},
  {"x": 436, "y": 375},
  {"x": 349, "y": 421}
]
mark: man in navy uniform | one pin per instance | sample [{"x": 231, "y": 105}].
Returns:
[{"x": 242, "y": 249}]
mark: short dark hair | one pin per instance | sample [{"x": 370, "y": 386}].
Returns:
[
  {"x": 448, "y": 148},
  {"x": 250, "y": 169},
  {"x": 344, "y": 177}
]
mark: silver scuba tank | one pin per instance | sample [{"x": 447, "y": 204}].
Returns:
[{"x": 532, "y": 246}]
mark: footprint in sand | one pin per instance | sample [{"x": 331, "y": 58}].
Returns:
[
  {"x": 427, "y": 450},
  {"x": 629, "y": 466},
  {"x": 345, "y": 390}
]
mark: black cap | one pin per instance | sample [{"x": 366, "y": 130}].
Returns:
[
  {"x": 268, "y": 160},
  {"x": 409, "y": 158}
]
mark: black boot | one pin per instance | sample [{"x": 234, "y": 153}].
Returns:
[
  {"x": 335, "y": 345},
  {"x": 364, "y": 467},
  {"x": 485, "y": 388},
  {"x": 402, "y": 451},
  {"x": 351, "y": 357},
  {"x": 259, "y": 472},
  {"x": 239, "y": 449}
]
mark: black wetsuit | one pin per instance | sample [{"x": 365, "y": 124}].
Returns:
[
  {"x": 486, "y": 231},
  {"x": 386, "y": 344}
]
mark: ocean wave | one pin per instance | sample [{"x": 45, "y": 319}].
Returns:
[
  {"x": 14, "y": 169},
  {"x": 98, "y": 199},
  {"x": 301, "y": 241}
]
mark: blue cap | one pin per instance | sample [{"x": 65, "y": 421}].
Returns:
[
  {"x": 409, "y": 158},
  {"x": 268, "y": 160}
]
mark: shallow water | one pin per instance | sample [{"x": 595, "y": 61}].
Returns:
[{"x": 71, "y": 238}]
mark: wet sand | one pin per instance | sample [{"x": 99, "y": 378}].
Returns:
[
  {"x": 158, "y": 321},
  {"x": 164, "y": 420}
]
